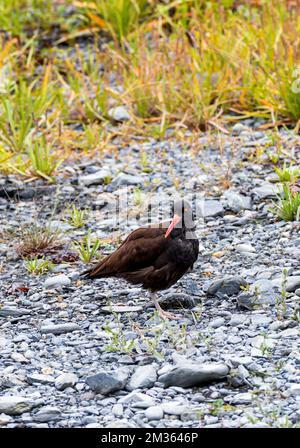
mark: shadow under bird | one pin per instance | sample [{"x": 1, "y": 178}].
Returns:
[{"x": 154, "y": 257}]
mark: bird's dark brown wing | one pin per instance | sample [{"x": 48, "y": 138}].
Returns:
[{"x": 139, "y": 250}]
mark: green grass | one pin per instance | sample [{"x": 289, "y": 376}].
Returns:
[
  {"x": 76, "y": 218},
  {"x": 38, "y": 266},
  {"x": 43, "y": 161},
  {"x": 287, "y": 206},
  {"x": 186, "y": 64},
  {"x": 87, "y": 247},
  {"x": 287, "y": 173}
]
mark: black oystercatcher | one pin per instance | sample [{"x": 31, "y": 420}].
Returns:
[{"x": 154, "y": 257}]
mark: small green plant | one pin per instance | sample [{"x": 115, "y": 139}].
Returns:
[
  {"x": 22, "y": 105},
  {"x": 120, "y": 16},
  {"x": 87, "y": 248},
  {"x": 287, "y": 174},
  {"x": 288, "y": 205},
  {"x": 118, "y": 342},
  {"x": 145, "y": 162},
  {"x": 76, "y": 218},
  {"x": 138, "y": 197},
  {"x": 38, "y": 266},
  {"x": 281, "y": 306},
  {"x": 44, "y": 162}
]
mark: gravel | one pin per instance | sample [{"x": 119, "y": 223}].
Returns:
[{"x": 76, "y": 353}]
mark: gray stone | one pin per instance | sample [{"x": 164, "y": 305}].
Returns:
[
  {"x": 293, "y": 283},
  {"x": 295, "y": 389},
  {"x": 262, "y": 291},
  {"x": 59, "y": 328},
  {"x": 177, "y": 300},
  {"x": 236, "y": 202},
  {"x": 121, "y": 308},
  {"x": 227, "y": 285},
  {"x": 194, "y": 374},
  {"x": 7, "y": 311},
  {"x": 266, "y": 191},
  {"x": 47, "y": 414},
  {"x": 117, "y": 410},
  {"x": 119, "y": 113},
  {"x": 238, "y": 319},
  {"x": 65, "y": 380},
  {"x": 15, "y": 404},
  {"x": 216, "y": 323},
  {"x": 174, "y": 408},
  {"x": 143, "y": 377},
  {"x": 138, "y": 400},
  {"x": 38, "y": 378},
  {"x": 243, "y": 398},
  {"x": 126, "y": 179},
  {"x": 95, "y": 178},
  {"x": 57, "y": 281},
  {"x": 5, "y": 419},
  {"x": 238, "y": 128},
  {"x": 154, "y": 413},
  {"x": 212, "y": 208},
  {"x": 106, "y": 382}
]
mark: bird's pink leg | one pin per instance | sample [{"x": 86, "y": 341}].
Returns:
[{"x": 163, "y": 314}]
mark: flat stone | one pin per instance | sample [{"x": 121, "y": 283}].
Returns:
[
  {"x": 227, "y": 285},
  {"x": 216, "y": 323},
  {"x": 295, "y": 389},
  {"x": 143, "y": 377},
  {"x": 121, "y": 309},
  {"x": 126, "y": 179},
  {"x": 266, "y": 191},
  {"x": 65, "y": 380},
  {"x": 15, "y": 404},
  {"x": 57, "y": 281},
  {"x": 212, "y": 208},
  {"x": 237, "y": 202},
  {"x": 95, "y": 178},
  {"x": 5, "y": 419},
  {"x": 174, "y": 408},
  {"x": 119, "y": 113},
  {"x": 194, "y": 374},
  {"x": 106, "y": 382},
  {"x": 9, "y": 311},
  {"x": 177, "y": 300},
  {"x": 39, "y": 378},
  {"x": 154, "y": 413},
  {"x": 47, "y": 414},
  {"x": 243, "y": 398},
  {"x": 59, "y": 328},
  {"x": 293, "y": 283},
  {"x": 138, "y": 400}
]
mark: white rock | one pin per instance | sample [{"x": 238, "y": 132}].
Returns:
[
  {"x": 143, "y": 377},
  {"x": 65, "y": 380},
  {"x": 95, "y": 178},
  {"x": 243, "y": 398},
  {"x": 154, "y": 413},
  {"x": 15, "y": 404},
  {"x": 174, "y": 408},
  {"x": 57, "y": 281},
  {"x": 117, "y": 410},
  {"x": 138, "y": 400},
  {"x": 18, "y": 357},
  {"x": 119, "y": 113}
]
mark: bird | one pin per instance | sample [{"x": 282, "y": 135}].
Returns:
[{"x": 154, "y": 257}]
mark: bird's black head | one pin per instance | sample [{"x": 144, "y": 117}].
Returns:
[{"x": 182, "y": 219}]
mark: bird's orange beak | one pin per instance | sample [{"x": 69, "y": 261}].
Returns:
[{"x": 174, "y": 221}]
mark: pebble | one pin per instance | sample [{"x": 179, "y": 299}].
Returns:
[{"x": 65, "y": 380}]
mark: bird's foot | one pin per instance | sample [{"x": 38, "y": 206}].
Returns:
[{"x": 166, "y": 315}]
